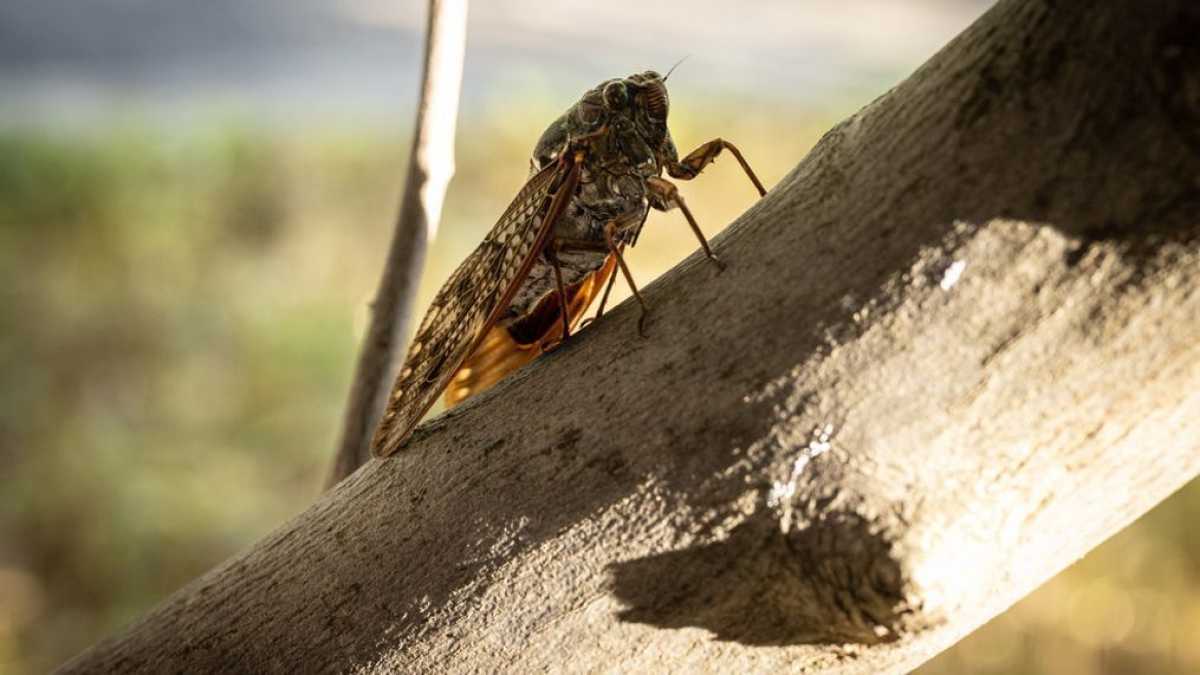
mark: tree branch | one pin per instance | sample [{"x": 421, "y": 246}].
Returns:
[
  {"x": 954, "y": 350},
  {"x": 430, "y": 167}
]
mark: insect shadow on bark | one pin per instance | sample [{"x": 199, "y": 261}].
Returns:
[{"x": 833, "y": 582}]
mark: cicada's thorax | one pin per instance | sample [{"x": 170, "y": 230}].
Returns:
[{"x": 612, "y": 184}]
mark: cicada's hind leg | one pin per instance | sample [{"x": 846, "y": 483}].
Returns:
[
  {"x": 563, "y": 311},
  {"x": 689, "y": 167},
  {"x": 665, "y": 195},
  {"x": 612, "y": 279}
]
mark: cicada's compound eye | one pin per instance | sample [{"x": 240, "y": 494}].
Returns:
[
  {"x": 615, "y": 95},
  {"x": 656, "y": 99}
]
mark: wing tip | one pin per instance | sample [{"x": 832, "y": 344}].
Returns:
[
  {"x": 382, "y": 447},
  {"x": 384, "y": 450}
]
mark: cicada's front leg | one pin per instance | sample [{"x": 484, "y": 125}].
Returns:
[{"x": 691, "y": 166}]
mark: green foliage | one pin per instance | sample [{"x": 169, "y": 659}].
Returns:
[{"x": 170, "y": 372}]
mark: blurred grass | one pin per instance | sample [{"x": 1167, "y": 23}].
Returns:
[{"x": 178, "y": 321}]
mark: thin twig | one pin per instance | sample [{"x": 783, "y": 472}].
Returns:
[{"x": 430, "y": 166}]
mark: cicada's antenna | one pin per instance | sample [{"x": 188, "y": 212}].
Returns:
[{"x": 675, "y": 66}]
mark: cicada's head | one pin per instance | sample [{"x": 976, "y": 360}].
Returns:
[
  {"x": 636, "y": 105},
  {"x": 642, "y": 99},
  {"x": 640, "y": 103}
]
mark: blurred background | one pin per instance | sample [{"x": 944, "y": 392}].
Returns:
[{"x": 195, "y": 199}]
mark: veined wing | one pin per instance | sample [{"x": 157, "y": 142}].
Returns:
[{"x": 472, "y": 299}]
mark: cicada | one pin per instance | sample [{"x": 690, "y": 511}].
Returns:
[{"x": 595, "y": 174}]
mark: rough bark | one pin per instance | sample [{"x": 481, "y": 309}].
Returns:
[
  {"x": 430, "y": 168},
  {"x": 955, "y": 349}
]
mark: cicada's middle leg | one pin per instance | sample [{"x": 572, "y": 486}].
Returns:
[
  {"x": 613, "y": 245},
  {"x": 665, "y": 196}
]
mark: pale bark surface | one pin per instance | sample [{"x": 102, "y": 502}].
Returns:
[
  {"x": 430, "y": 168},
  {"x": 955, "y": 349}
]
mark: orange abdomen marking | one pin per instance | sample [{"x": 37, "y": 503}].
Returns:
[{"x": 509, "y": 347}]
